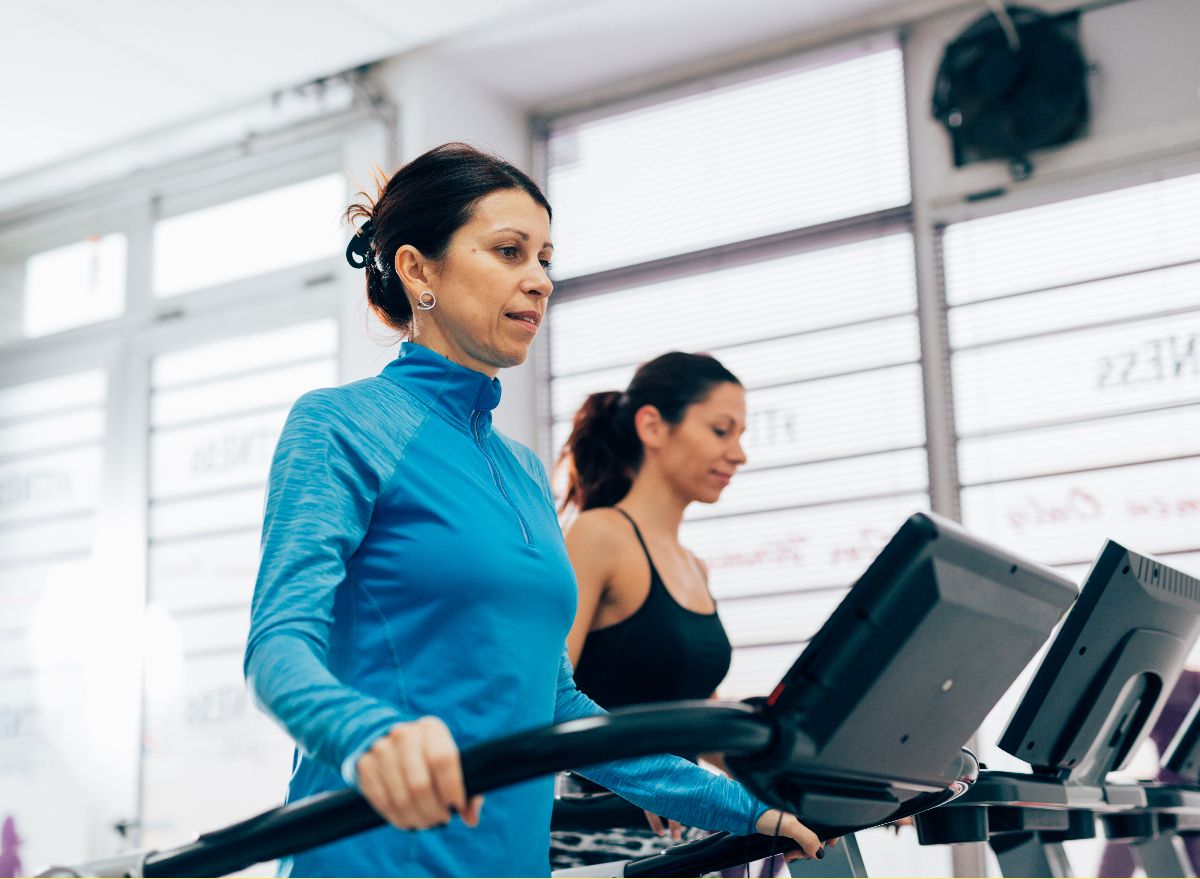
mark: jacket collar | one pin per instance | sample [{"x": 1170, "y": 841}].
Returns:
[{"x": 455, "y": 391}]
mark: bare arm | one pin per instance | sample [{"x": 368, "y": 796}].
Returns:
[{"x": 590, "y": 545}]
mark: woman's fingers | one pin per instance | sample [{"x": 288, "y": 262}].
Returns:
[
  {"x": 423, "y": 797},
  {"x": 788, "y": 826},
  {"x": 676, "y": 830},
  {"x": 655, "y": 823},
  {"x": 413, "y": 776},
  {"x": 444, "y": 764},
  {"x": 470, "y": 815}
]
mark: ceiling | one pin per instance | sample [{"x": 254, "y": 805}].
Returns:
[{"x": 84, "y": 74}]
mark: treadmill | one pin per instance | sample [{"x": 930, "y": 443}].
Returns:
[
  {"x": 1085, "y": 713},
  {"x": 867, "y": 727}
]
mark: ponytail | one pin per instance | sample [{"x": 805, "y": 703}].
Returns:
[{"x": 603, "y": 453}]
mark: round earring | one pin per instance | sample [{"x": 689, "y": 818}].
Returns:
[{"x": 424, "y": 304}]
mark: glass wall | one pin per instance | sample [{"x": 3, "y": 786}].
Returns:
[
  {"x": 216, "y": 412},
  {"x": 131, "y": 497},
  {"x": 66, "y": 734}
]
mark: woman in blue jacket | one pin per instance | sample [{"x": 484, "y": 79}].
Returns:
[{"x": 414, "y": 593}]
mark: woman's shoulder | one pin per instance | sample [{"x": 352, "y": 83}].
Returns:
[
  {"x": 363, "y": 417},
  {"x": 604, "y": 525}
]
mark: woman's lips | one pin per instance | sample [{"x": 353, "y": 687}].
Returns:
[
  {"x": 723, "y": 477},
  {"x": 527, "y": 319}
]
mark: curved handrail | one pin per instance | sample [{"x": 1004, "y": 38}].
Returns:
[{"x": 676, "y": 727}]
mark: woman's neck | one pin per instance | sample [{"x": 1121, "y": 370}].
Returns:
[{"x": 655, "y": 505}]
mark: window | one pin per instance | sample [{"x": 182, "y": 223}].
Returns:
[
  {"x": 250, "y": 236},
  {"x": 216, "y": 413},
  {"x": 51, "y": 601},
  {"x": 1075, "y": 331},
  {"x": 75, "y": 285},
  {"x": 804, "y": 145},
  {"x": 1076, "y": 337},
  {"x": 796, "y": 271}
]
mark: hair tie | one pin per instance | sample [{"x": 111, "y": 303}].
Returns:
[{"x": 358, "y": 251}]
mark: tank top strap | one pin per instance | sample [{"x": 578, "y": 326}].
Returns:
[{"x": 638, "y": 532}]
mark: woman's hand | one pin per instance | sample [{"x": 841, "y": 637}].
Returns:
[
  {"x": 656, "y": 824},
  {"x": 412, "y": 777},
  {"x": 810, "y": 847}
]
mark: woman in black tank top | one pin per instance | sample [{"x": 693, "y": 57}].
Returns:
[
  {"x": 661, "y": 652},
  {"x": 646, "y": 629}
]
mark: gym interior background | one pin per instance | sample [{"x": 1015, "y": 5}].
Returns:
[{"x": 1016, "y": 347}]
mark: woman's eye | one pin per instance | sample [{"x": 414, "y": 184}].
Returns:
[
  {"x": 719, "y": 432},
  {"x": 508, "y": 252},
  {"x": 545, "y": 264}
]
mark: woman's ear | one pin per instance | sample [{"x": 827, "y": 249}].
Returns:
[
  {"x": 414, "y": 269},
  {"x": 652, "y": 430}
]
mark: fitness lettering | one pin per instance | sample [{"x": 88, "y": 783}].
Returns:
[
  {"x": 860, "y": 548},
  {"x": 33, "y": 486},
  {"x": 234, "y": 450},
  {"x": 1158, "y": 360},
  {"x": 1078, "y": 504}
]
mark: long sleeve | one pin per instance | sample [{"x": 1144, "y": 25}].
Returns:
[
  {"x": 320, "y": 498},
  {"x": 662, "y": 784}
]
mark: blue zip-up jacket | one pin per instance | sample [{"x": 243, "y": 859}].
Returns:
[{"x": 412, "y": 564}]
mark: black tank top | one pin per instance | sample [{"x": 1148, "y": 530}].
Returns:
[{"x": 662, "y": 652}]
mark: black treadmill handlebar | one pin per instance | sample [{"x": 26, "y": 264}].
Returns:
[{"x": 669, "y": 728}]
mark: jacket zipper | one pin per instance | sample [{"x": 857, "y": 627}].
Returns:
[{"x": 496, "y": 475}]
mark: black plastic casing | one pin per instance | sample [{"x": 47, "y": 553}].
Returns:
[
  {"x": 879, "y": 704},
  {"x": 1106, "y": 677}
]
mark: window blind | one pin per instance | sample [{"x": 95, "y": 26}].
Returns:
[
  {"x": 1076, "y": 367},
  {"x": 732, "y": 162}
]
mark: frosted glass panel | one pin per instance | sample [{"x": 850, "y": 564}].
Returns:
[
  {"x": 775, "y": 619},
  {"x": 903, "y": 472},
  {"x": 211, "y": 757},
  {"x": 40, "y": 434},
  {"x": 199, "y": 573},
  {"x": 1154, "y": 508},
  {"x": 833, "y": 418},
  {"x": 245, "y": 353},
  {"x": 1081, "y": 374},
  {"x": 53, "y": 394},
  {"x": 838, "y": 148},
  {"x": 778, "y": 361},
  {"x": 49, "y": 485},
  {"x": 798, "y": 549},
  {"x": 1140, "y": 227},
  {"x": 830, "y": 352},
  {"x": 794, "y": 294},
  {"x": 75, "y": 285},
  {"x": 259, "y": 390},
  {"x": 1114, "y": 299},
  {"x": 64, "y": 537},
  {"x": 251, "y": 236},
  {"x": 214, "y": 455},
  {"x": 214, "y": 630},
  {"x": 223, "y": 512},
  {"x": 756, "y": 670},
  {"x": 1167, "y": 433}
]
